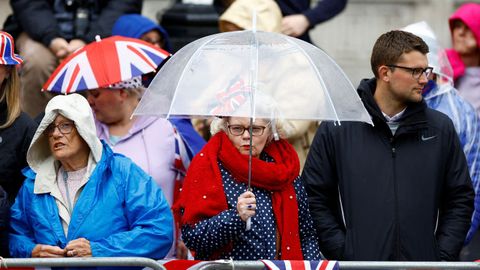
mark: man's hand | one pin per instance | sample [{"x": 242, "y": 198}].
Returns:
[
  {"x": 46, "y": 251},
  {"x": 295, "y": 25},
  {"x": 59, "y": 47},
  {"x": 78, "y": 248},
  {"x": 74, "y": 45}
]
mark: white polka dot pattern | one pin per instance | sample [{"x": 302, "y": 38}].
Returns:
[{"x": 214, "y": 234}]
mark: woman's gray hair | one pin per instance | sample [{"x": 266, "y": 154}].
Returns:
[{"x": 279, "y": 126}]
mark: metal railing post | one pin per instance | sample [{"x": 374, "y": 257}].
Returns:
[{"x": 82, "y": 262}]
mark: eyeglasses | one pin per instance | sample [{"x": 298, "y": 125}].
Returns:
[
  {"x": 63, "y": 127},
  {"x": 416, "y": 72},
  {"x": 238, "y": 130}
]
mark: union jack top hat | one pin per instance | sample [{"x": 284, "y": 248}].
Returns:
[{"x": 7, "y": 55}]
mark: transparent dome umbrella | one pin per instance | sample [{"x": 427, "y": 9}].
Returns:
[
  {"x": 252, "y": 74},
  {"x": 223, "y": 74}
]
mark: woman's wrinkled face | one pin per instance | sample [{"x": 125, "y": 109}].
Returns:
[
  {"x": 105, "y": 104},
  {"x": 238, "y": 132},
  {"x": 464, "y": 41},
  {"x": 64, "y": 140}
]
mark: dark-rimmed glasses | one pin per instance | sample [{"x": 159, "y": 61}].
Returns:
[
  {"x": 238, "y": 130},
  {"x": 63, "y": 127},
  {"x": 416, "y": 72}
]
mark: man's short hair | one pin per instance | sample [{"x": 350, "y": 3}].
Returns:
[{"x": 390, "y": 46}]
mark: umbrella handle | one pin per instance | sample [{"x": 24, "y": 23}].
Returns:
[{"x": 249, "y": 224}]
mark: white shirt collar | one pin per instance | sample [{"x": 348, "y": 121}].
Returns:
[{"x": 395, "y": 117}]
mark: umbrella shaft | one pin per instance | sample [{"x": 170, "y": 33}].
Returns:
[{"x": 250, "y": 154}]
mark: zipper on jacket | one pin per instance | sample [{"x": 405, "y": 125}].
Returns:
[
  {"x": 397, "y": 250},
  {"x": 67, "y": 192},
  {"x": 392, "y": 145}
]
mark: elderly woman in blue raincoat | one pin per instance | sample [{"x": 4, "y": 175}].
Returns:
[{"x": 80, "y": 199}]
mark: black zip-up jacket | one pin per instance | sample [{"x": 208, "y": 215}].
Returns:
[
  {"x": 14, "y": 143},
  {"x": 39, "y": 20},
  {"x": 378, "y": 196}
]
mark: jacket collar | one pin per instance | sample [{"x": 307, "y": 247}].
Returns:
[{"x": 412, "y": 119}]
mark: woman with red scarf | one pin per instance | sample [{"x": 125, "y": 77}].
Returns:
[{"x": 214, "y": 205}]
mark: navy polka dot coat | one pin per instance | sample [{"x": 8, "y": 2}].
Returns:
[{"x": 215, "y": 236}]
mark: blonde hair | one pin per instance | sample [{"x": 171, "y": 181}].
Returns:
[
  {"x": 282, "y": 127},
  {"x": 11, "y": 94}
]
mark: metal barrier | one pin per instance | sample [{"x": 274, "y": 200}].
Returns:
[
  {"x": 82, "y": 262},
  {"x": 352, "y": 265},
  {"x": 227, "y": 264}
]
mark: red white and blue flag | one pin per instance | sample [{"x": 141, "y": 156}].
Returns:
[
  {"x": 105, "y": 62},
  {"x": 7, "y": 47},
  {"x": 301, "y": 265},
  {"x": 232, "y": 98}
]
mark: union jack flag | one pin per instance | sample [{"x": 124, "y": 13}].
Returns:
[
  {"x": 7, "y": 55},
  {"x": 105, "y": 62},
  {"x": 181, "y": 163},
  {"x": 232, "y": 98},
  {"x": 301, "y": 265}
]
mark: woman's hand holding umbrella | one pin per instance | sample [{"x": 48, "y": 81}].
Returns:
[{"x": 246, "y": 205}]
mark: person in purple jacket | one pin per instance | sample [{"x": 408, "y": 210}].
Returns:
[
  {"x": 151, "y": 142},
  {"x": 299, "y": 17},
  {"x": 141, "y": 27}
]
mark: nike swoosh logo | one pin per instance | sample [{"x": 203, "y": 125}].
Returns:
[{"x": 428, "y": 138}]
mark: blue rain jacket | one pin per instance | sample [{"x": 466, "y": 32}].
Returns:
[
  {"x": 121, "y": 211},
  {"x": 445, "y": 98}
]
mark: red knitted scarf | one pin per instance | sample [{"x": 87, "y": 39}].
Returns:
[{"x": 203, "y": 196}]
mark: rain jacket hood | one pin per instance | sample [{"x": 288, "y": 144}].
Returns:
[
  {"x": 366, "y": 91},
  {"x": 269, "y": 16},
  {"x": 468, "y": 14},
  {"x": 135, "y": 25},
  {"x": 76, "y": 108}
]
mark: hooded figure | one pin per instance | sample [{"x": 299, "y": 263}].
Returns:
[
  {"x": 138, "y": 26},
  {"x": 439, "y": 94},
  {"x": 465, "y": 54},
  {"x": 239, "y": 13},
  {"x": 80, "y": 199}
]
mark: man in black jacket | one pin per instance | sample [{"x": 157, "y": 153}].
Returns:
[
  {"x": 398, "y": 190},
  {"x": 50, "y": 30}
]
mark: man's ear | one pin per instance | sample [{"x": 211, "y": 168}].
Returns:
[{"x": 384, "y": 73}]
